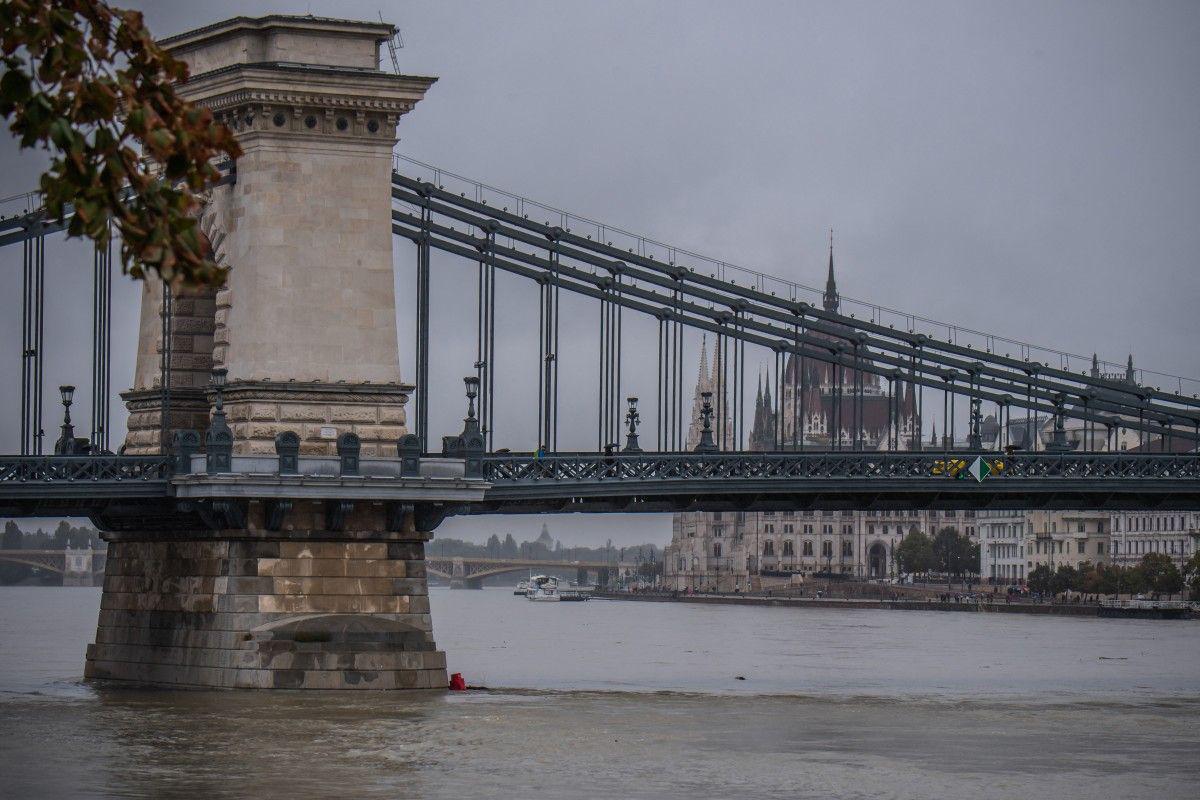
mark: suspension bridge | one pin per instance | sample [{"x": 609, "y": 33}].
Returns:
[{"x": 279, "y": 479}]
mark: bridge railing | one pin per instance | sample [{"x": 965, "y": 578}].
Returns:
[
  {"x": 84, "y": 469},
  {"x": 590, "y": 467}
]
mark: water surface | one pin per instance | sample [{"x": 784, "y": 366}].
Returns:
[{"x": 621, "y": 699}]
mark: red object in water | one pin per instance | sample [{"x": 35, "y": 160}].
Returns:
[{"x": 457, "y": 684}]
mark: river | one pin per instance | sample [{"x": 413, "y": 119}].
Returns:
[{"x": 637, "y": 700}]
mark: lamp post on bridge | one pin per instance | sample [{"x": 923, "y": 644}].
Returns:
[
  {"x": 632, "y": 418},
  {"x": 67, "y": 444},
  {"x": 706, "y": 443}
]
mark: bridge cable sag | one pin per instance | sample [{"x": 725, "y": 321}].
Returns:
[{"x": 998, "y": 375}]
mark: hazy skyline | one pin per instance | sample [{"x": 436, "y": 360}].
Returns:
[{"x": 1028, "y": 169}]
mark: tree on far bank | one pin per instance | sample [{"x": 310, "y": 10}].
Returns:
[
  {"x": 1191, "y": 573},
  {"x": 1160, "y": 573},
  {"x": 914, "y": 554},
  {"x": 1040, "y": 579},
  {"x": 1065, "y": 579},
  {"x": 62, "y": 536},
  {"x": 509, "y": 549},
  {"x": 13, "y": 538}
]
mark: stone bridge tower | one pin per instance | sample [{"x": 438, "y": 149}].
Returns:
[
  {"x": 306, "y": 325},
  {"x": 251, "y": 583}
]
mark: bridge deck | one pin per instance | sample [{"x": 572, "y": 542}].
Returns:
[{"x": 647, "y": 482}]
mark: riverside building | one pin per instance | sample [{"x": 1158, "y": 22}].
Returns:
[
  {"x": 1172, "y": 533},
  {"x": 740, "y": 551},
  {"x": 1002, "y": 537}
]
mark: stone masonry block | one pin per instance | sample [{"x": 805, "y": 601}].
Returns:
[
  {"x": 296, "y": 412},
  {"x": 264, "y": 411},
  {"x": 353, "y": 414}
]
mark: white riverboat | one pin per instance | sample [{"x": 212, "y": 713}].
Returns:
[
  {"x": 543, "y": 589},
  {"x": 522, "y": 589}
]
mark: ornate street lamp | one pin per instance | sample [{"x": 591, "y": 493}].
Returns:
[
  {"x": 218, "y": 382},
  {"x": 218, "y": 440},
  {"x": 706, "y": 443},
  {"x": 66, "y": 444},
  {"x": 472, "y": 384},
  {"x": 632, "y": 418}
]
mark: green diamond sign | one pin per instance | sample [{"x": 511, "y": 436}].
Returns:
[{"x": 979, "y": 469}]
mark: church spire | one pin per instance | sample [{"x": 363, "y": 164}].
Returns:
[
  {"x": 762, "y": 435},
  {"x": 830, "y": 299},
  {"x": 1129, "y": 377},
  {"x": 1095, "y": 366}
]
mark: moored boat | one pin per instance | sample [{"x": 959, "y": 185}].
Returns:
[{"x": 543, "y": 588}]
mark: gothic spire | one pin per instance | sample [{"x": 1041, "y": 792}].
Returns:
[
  {"x": 830, "y": 299},
  {"x": 1095, "y": 366},
  {"x": 1129, "y": 377},
  {"x": 761, "y": 432}
]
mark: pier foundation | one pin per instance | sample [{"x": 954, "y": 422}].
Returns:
[{"x": 251, "y": 613}]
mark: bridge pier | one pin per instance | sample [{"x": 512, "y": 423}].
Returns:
[
  {"x": 313, "y": 609},
  {"x": 305, "y": 586}
]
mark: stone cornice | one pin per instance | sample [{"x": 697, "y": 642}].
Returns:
[
  {"x": 281, "y": 97},
  {"x": 381, "y": 31},
  {"x": 151, "y": 399},
  {"x": 315, "y": 392},
  {"x": 255, "y": 98},
  {"x": 341, "y": 77}
]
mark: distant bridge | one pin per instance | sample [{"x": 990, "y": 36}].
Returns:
[
  {"x": 76, "y": 566},
  {"x": 471, "y": 571}
]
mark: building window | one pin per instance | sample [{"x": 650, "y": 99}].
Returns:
[
  {"x": 827, "y": 549},
  {"x": 807, "y": 547},
  {"x": 716, "y": 550},
  {"x": 788, "y": 548},
  {"x": 768, "y": 548},
  {"x": 847, "y": 549}
]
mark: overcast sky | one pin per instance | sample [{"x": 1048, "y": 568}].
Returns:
[{"x": 1030, "y": 169}]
